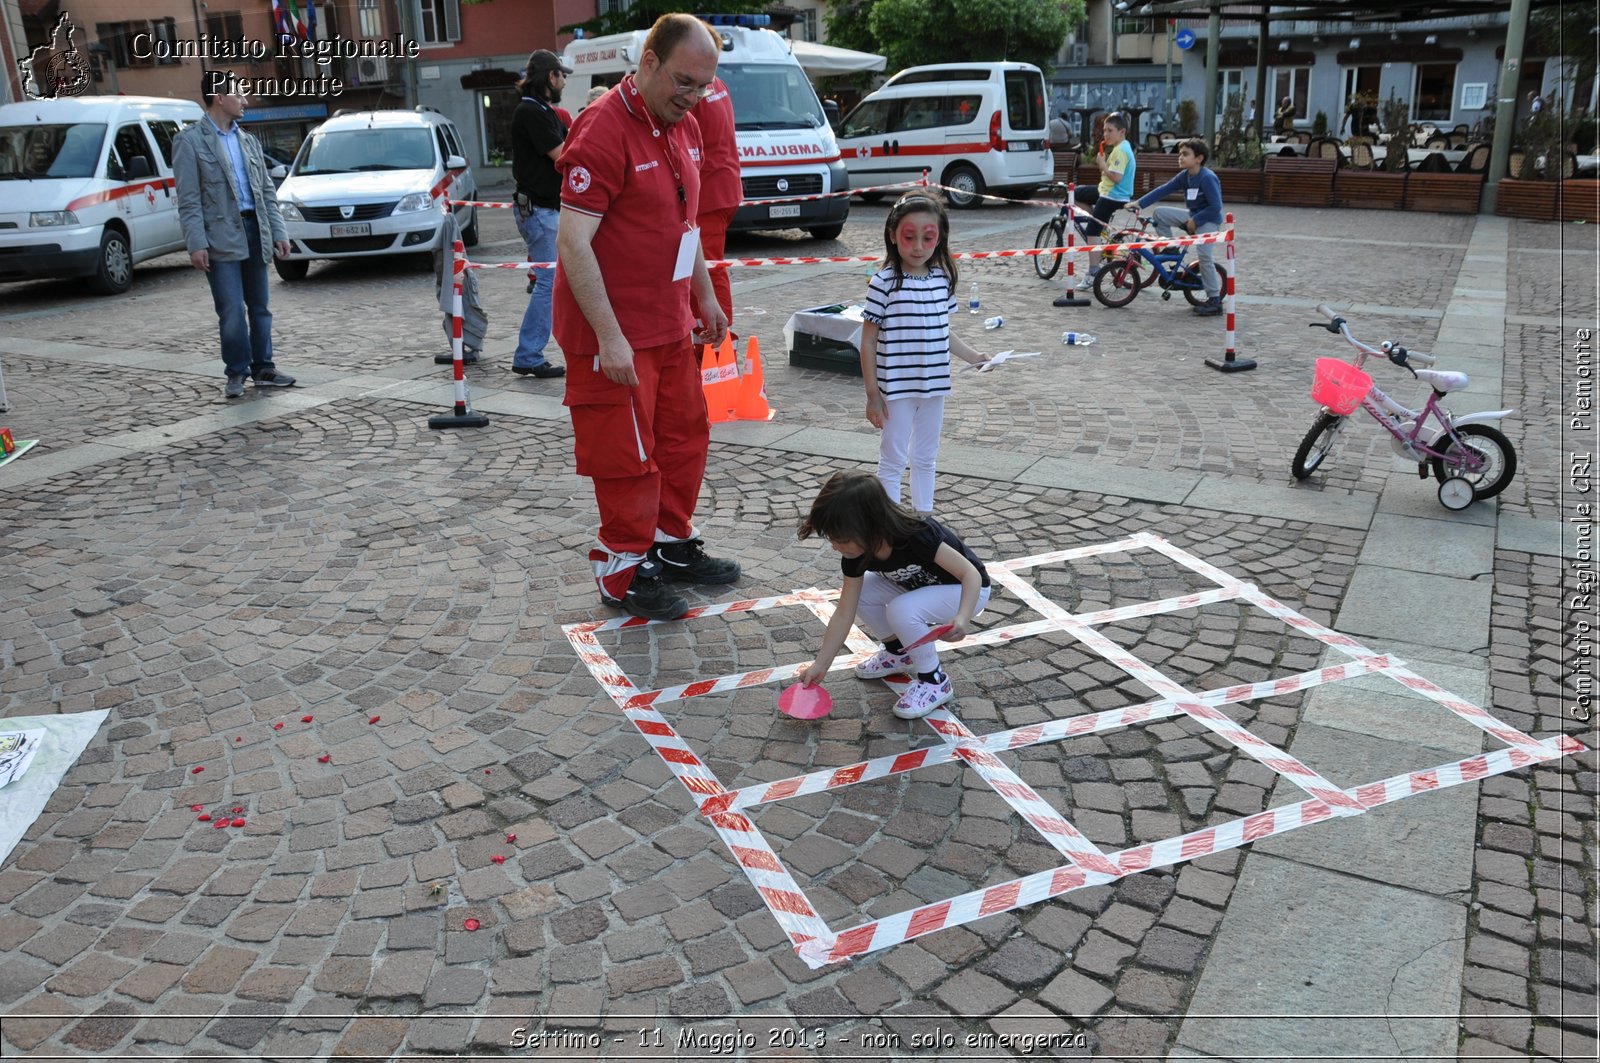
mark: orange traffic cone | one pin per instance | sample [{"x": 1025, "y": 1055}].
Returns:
[
  {"x": 720, "y": 378},
  {"x": 752, "y": 401}
]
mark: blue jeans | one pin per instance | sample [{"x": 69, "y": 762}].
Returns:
[
  {"x": 539, "y": 230},
  {"x": 239, "y": 290}
]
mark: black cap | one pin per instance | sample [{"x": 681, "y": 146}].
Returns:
[{"x": 543, "y": 60}]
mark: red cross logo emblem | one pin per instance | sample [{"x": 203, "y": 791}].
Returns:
[{"x": 150, "y": 194}]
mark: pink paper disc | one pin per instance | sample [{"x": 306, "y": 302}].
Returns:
[
  {"x": 805, "y": 702},
  {"x": 933, "y": 636}
]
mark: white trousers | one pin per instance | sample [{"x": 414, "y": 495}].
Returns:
[
  {"x": 911, "y": 432},
  {"x": 1168, "y": 218},
  {"x": 887, "y": 610}
]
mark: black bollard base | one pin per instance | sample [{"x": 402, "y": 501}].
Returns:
[
  {"x": 459, "y": 420},
  {"x": 446, "y": 359},
  {"x": 1069, "y": 299},
  {"x": 1231, "y": 364}
]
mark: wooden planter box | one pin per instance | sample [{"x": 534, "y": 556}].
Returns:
[
  {"x": 1580, "y": 201},
  {"x": 1239, "y": 186},
  {"x": 1533, "y": 200},
  {"x": 1369, "y": 189},
  {"x": 1066, "y": 164},
  {"x": 1445, "y": 193},
  {"x": 1298, "y": 182}
]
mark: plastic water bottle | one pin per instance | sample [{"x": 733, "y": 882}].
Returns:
[
  {"x": 972, "y": 298},
  {"x": 1077, "y": 339},
  {"x": 993, "y": 322}
]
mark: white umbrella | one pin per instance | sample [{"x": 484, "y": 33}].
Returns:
[{"x": 824, "y": 60}]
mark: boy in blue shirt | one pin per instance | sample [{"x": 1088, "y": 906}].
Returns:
[{"x": 1202, "y": 213}]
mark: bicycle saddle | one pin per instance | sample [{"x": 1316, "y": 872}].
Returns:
[{"x": 1442, "y": 381}]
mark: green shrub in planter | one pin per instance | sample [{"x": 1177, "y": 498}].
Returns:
[
  {"x": 1188, "y": 118},
  {"x": 1319, "y": 125}
]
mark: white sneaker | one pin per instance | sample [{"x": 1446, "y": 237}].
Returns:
[
  {"x": 922, "y": 698},
  {"x": 883, "y": 663},
  {"x": 1087, "y": 284}
]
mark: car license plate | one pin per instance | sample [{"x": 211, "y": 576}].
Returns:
[
  {"x": 784, "y": 210},
  {"x": 1019, "y": 145},
  {"x": 359, "y": 229}
]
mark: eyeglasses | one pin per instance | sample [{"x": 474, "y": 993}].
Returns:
[{"x": 689, "y": 88}]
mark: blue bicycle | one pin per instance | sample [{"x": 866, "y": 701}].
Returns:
[{"x": 1121, "y": 279}]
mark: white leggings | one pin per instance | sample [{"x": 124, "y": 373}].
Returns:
[
  {"x": 888, "y": 610},
  {"x": 911, "y": 427}
]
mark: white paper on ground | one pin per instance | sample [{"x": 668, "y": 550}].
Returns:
[{"x": 64, "y": 739}]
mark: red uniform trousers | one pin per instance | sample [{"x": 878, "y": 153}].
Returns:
[
  {"x": 645, "y": 449},
  {"x": 714, "y": 241}
]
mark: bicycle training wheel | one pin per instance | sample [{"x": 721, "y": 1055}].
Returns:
[
  {"x": 1496, "y": 459},
  {"x": 1051, "y": 234},
  {"x": 1317, "y": 445},
  {"x": 1119, "y": 281},
  {"x": 1197, "y": 296}
]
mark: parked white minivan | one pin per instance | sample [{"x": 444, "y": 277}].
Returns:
[
  {"x": 370, "y": 183},
  {"x": 976, "y": 127},
  {"x": 786, "y": 147},
  {"x": 86, "y": 187}
]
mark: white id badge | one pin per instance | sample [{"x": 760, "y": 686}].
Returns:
[
  {"x": 1190, "y": 193},
  {"x": 686, "y": 249}
]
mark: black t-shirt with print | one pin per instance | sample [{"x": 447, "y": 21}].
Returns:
[{"x": 910, "y": 563}]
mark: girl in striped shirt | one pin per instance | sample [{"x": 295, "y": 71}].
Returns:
[{"x": 906, "y": 344}]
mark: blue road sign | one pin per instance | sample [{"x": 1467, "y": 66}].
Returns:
[{"x": 1185, "y": 39}]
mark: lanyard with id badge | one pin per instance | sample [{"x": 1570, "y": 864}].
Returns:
[{"x": 690, "y": 241}]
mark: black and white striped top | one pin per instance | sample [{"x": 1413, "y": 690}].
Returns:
[{"x": 913, "y": 332}]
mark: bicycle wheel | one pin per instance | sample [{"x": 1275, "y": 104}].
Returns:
[
  {"x": 1496, "y": 459},
  {"x": 1317, "y": 445},
  {"x": 1051, "y": 234},
  {"x": 1197, "y": 296},
  {"x": 1118, "y": 282}
]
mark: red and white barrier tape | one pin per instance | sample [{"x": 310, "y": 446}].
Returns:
[
  {"x": 1088, "y": 865},
  {"x": 762, "y": 201}
]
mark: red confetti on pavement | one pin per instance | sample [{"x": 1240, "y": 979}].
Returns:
[
  {"x": 488, "y": 771},
  {"x": 238, "y": 823},
  {"x": 278, "y": 726},
  {"x": 471, "y": 924},
  {"x": 375, "y": 719},
  {"x": 238, "y": 738},
  {"x": 324, "y": 758},
  {"x": 237, "y": 809},
  {"x": 510, "y": 839},
  {"x": 196, "y": 770},
  {"x": 205, "y": 817},
  {"x": 305, "y": 719},
  {"x": 219, "y": 824},
  {"x": 497, "y": 859},
  {"x": 197, "y": 808}
]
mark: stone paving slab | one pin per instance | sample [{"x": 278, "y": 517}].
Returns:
[{"x": 1293, "y": 1005}]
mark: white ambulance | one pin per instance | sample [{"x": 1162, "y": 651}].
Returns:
[
  {"x": 786, "y": 147},
  {"x": 86, "y": 187}
]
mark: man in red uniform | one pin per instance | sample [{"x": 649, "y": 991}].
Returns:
[
  {"x": 629, "y": 260},
  {"x": 720, "y": 187}
]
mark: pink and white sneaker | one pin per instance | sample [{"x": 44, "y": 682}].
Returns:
[
  {"x": 922, "y": 698},
  {"x": 884, "y": 662}
]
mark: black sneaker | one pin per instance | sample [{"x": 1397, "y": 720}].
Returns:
[
  {"x": 1209, "y": 308},
  {"x": 544, "y": 370},
  {"x": 273, "y": 378},
  {"x": 688, "y": 562},
  {"x": 649, "y": 597}
]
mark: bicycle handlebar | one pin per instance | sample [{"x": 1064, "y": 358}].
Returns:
[{"x": 1389, "y": 348}]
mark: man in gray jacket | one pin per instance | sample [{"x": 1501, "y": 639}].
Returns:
[{"x": 232, "y": 227}]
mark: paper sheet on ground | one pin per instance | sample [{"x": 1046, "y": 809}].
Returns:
[
  {"x": 64, "y": 739},
  {"x": 23, "y": 446}
]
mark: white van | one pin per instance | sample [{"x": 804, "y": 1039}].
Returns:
[
  {"x": 786, "y": 147},
  {"x": 976, "y": 127},
  {"x": 86, "y": 187}
]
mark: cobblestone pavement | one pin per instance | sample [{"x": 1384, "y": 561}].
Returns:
[{"x": 391, "y": 597}]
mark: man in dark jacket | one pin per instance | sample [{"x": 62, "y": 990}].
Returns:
[{"x": 537, "y": 133}]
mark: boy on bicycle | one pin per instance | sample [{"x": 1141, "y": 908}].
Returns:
[
  {"x": 1117, "y": 166},
  {"x": 1202, "y": 194}
]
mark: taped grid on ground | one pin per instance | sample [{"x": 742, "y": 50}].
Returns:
[{"x": 1085, "y": 863}]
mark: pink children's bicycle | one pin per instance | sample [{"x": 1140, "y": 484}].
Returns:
[{"x": 1470, "y": 459}]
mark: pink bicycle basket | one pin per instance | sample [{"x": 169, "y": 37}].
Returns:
[{"x": 1339, "y": 386}]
